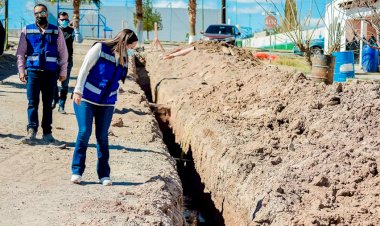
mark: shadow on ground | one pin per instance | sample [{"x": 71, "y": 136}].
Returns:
[
  {"x": 8, "y": 66},
  {"x": 12, "y": 136},
  {"x": 13, "y": 84},
  {"x": 126, "y": 110},
  {"x": 84, "y": 183}
]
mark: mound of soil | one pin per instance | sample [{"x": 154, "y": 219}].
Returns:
[
  {"x": 271, "y": 146},
  {"x": 220, "y": 48}
]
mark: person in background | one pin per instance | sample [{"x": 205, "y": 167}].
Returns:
[
  {"x": 95, "y": 95},
  {"x": 70, "y": 36},
  {"x": 372, "y": 41},
  {"x": 355, "y": 48},
  {"x": 41, "y": 51}
]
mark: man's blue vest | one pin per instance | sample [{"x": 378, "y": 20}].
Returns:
[
  {"x": 102, "y": 82},
  {"x": 42, "y": 50}
]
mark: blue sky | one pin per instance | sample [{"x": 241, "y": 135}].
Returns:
[{"x": 243, "y": 12}]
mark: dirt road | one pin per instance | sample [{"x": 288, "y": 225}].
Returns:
[{"x": 35, "y": 180}]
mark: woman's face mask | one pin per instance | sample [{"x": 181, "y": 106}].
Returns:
[{"x": 64, "y": 23}]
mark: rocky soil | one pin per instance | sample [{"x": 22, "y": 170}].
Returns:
[{"x": 271, "y": 146}]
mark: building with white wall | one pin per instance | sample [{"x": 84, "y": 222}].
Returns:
[
  {"x": 279, "y": 41},
  {"x": 349, "y": 17}
]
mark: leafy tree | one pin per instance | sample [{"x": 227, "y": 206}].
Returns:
[{"x": 151, "y": 16}]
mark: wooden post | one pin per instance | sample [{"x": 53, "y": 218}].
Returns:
[{"x": 156, "y": 44}]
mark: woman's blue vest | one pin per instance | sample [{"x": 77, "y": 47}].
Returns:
[
  {"x": 102, "y": 83},
  {"x": 42, "y": 50}
]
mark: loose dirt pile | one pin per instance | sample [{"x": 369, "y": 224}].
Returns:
[
  {"x": 238, "y": 54},
  {"x": 272, "y": 147}
]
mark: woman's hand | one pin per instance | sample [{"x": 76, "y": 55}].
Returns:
[{"x": 77, "y": 98}]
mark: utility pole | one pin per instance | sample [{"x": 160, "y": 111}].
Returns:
[
  {"x": 250, "y": 20},
  {"x": 236, "y": 8},
  {"x": 311, "y": 5},
  {"x": 171, "y": 20},
  {"x": 223, "y": 11},
  {"x": 6, "y": 25}
]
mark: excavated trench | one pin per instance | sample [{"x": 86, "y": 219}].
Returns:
[
  {"x": 199, "y": 209},
  {"x": 271, "y": 146}
]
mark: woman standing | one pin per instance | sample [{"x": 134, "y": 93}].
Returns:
[{"x": 95, "y": 95}]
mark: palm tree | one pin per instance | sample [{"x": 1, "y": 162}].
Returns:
[
  {"x": 139, "y": 18},
  {"x": 192, "y": 19},
  {"x": 76, "y": 14},
  {"x": 76, "y": 10},
  {"x": 6, "y": 24}
]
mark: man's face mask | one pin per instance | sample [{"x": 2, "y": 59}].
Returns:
[
  {"x": 41, "y": 17},
  {"x": 42, "y": 20},
  {"x": 64, "y": 23}
]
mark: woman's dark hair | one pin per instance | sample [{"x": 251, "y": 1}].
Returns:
[
  {"x": 41, "y": 5},
  {"x": 119, "y": 43}
]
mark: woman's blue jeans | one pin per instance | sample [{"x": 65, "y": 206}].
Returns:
[{"x": 85, "y": 113}]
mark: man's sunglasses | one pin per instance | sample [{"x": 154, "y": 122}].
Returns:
[{"x": 42, "y": 13}]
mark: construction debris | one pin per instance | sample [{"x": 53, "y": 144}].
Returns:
[{"x": 178, "y": 52}]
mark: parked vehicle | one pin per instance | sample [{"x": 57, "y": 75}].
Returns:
[
  {"x": 316, "y": 46},
  {"x": 221, "y": 32}
]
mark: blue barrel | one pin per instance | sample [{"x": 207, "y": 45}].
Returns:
[
  {"x": 344, "y": 66},
  {"x": 370, "y": 59}
]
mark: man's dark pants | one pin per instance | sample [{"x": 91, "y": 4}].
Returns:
[
  {"x": 44, "y": 82},
  {"x": 62, "y": 96}
]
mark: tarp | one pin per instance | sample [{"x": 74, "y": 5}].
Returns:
[{"x": 370, "y": 59}]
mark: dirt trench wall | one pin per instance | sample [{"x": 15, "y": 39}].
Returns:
[{"x": 272, "y": 147}]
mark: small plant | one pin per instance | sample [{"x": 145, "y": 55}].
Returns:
[{"x": 150, "y": 17}]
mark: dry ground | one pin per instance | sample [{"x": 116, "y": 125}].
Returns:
[{"x": 35, "y": 180}]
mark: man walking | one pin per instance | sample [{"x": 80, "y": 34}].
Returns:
[
  {"x": 69, "y": 34},
  {"x": 41, "y": 51}
]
